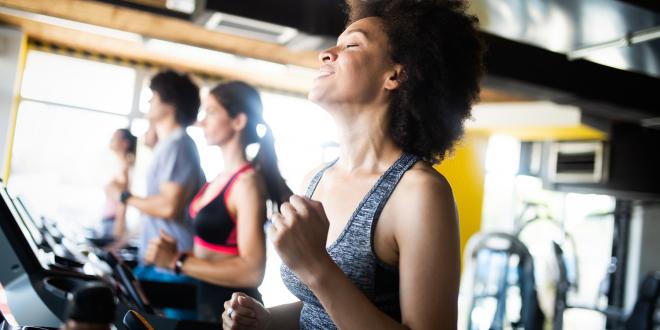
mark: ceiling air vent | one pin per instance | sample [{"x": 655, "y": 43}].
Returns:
[
  {"x": 248, "y": 28},
  {"x": 578, "y": 162}
]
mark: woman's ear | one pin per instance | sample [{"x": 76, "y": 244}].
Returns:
[
  {"x": 240, "y": 121},
  {"x": 394, "y": 78}
]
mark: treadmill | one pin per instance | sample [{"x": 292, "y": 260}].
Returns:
[
  {"x": 4, "y": 325},
  {"x": 40, "y": 269}
]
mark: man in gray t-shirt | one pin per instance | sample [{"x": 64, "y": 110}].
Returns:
[
  {"x": 175, "y": 166},
  {"x": 175, "y": 175}
]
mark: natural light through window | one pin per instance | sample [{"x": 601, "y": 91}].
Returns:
[{"x": 88, "y": 84}]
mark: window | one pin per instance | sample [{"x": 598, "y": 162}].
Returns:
[
  {"x": 69, "y": 109},
  {"x": 305, "y": 135},
  {"x": 78, "y": 82}
]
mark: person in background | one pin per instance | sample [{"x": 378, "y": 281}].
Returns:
[
  {"x": 229, "y": 212},
  {"x": 374, "y": 243},
  {"x": 174, "y": 174},
  {"x": 149, "y": 139},
  {"x": 123, "y": 145}
]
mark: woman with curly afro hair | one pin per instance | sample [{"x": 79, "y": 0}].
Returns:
[{"x": 374, "y": 242}]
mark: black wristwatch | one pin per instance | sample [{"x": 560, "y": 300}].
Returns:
[
  {"x": 178, "y": 265},
  {"x": 124, "y": 196}
]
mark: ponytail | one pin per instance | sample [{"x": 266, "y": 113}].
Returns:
[
  {"x": 266, "y": 163},
  {"x": 238, "y": 97}
]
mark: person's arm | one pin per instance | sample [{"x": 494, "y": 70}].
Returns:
[
  {"x": 178, "y": 169},
  {"x": 247, "y": 269},
  {"x": 119, "y": 226},
  {"x": 166, "y": 205},
  {"x": 248, "y": 313},
  {"x": 244, "y": 270},
  {"x": 429, "y": 255},
  {"x": 428, "y": 250},
  {"x": 285, "y": 316}
]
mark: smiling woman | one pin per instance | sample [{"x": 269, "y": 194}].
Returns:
[{"x": 373, "y": 243}]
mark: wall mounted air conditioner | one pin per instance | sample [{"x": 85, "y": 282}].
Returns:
[{"x": 578, "y": 162}]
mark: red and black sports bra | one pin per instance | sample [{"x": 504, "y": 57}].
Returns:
[{"x": 215, "y": 226}]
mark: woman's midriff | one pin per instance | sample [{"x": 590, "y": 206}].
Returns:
[{"x": 208, "y": 254}]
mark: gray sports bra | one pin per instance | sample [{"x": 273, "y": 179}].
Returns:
[{"x": 353, "y": 252}]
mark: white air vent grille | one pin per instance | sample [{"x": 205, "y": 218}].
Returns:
[
  {"x": 578, "y": 162},
  {"x": 249, "y": 28}
]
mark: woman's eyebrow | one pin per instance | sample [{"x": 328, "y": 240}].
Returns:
[{"x": 363, "y": 32}]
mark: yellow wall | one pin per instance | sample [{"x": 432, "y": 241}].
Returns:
[
  {"x": 465, "y": 170},
  {"x": 544, "y": 133}
]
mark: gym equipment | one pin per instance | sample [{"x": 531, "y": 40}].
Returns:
[
  {"x": 567, "y": 264},
  {"x": 4, "y": 325},
  {"x": 41, "y": 269},
  {"x": 134, "y": 321},
  {"x": 642, "y": 316},
  {"x": 504, "y": 292}
]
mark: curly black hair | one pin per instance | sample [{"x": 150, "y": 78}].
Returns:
[
  {"x": 180, "y": 91},
  {"x": 441, "y": 51}
]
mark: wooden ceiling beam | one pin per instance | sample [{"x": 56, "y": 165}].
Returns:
[
  {"x": 151, "y": 3},
  {"x": 136, "y": 51},
  {"x": 161, "y": 27},
  {"x": 489, "y": 95},
  {"x": 171, "y": 29}
]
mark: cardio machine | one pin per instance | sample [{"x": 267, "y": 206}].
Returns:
[
  {"x": 40, "y": 269},
  {"x": 503, "y": 287}
]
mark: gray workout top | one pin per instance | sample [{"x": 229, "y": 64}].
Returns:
[{"x": 353, "y": 252}]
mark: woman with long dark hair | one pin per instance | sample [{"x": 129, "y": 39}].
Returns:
[
  {"x": 123, "y": 145},
  {"x": 374, "y": 243},
  {"x": 229, "y": 212}
]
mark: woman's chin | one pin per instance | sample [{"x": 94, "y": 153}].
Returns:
[
  {"x": 318, "y": 96},
  {"x": 209, "y": 141}
]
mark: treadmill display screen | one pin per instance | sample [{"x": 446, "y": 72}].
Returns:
[
  {"x": 19, "y": 221},
  {"x": 29, "y": 222}
]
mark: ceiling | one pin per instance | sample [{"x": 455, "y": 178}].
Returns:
[
  {"x": 532, "y": 43},
  {"x": 600, "y": 55}
]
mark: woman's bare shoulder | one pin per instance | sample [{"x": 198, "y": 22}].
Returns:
[
  {"x": 250, "y": 181},
  {"x": 424, "y": 195},
  {"x": 422, "y": 178}
]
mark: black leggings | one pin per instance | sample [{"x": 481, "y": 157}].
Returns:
[{"x": 211, "y": 299}]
